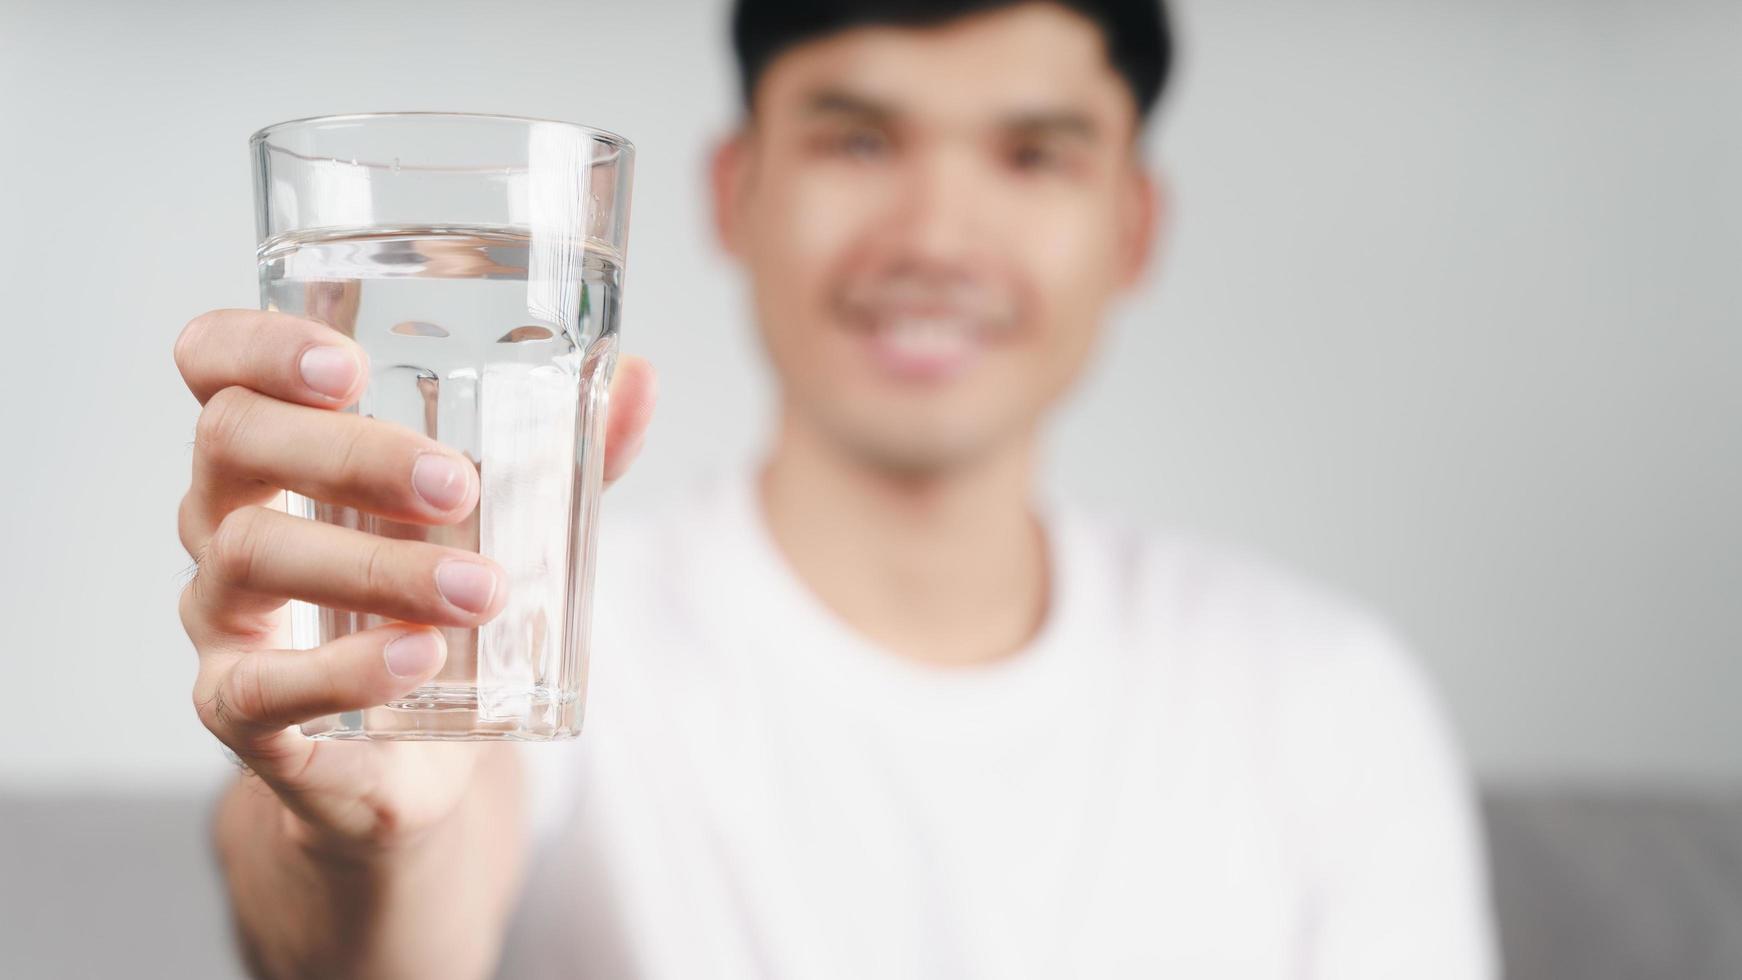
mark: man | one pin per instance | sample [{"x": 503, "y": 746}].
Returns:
[{"x": 866, "y": 708}]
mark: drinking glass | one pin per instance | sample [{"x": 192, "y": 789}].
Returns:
[{"x": 479, "y": 261}]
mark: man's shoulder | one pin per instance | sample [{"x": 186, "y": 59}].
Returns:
[
  {"x": 1205, "y": 578},
  {"x": 1242, "y": 616}
]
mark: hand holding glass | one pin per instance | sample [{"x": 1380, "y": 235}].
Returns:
[{"x": 479, "y": 261}]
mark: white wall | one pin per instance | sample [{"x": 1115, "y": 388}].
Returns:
[{"x": 1449, "y": 317}]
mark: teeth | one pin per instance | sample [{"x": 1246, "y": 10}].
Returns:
[{"x": 928, "y": 336}]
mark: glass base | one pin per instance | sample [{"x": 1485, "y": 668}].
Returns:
[{"x": 451, "y": 712}]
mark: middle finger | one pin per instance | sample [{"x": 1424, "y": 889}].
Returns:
[{"x": 246, "y": 441}]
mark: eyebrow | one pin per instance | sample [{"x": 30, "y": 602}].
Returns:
[
  {"x": 832, "y": 101},
  {"x": 1053, "y": 122},
  {"x": 1071, "y": 123}
]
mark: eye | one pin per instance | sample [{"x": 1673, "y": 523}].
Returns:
[
  {"x": 862, "y": 144},
  {"x": 1035, "y": 157}
]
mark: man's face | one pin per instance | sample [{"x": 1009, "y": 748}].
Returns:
[{"x": 934, "y": 220}]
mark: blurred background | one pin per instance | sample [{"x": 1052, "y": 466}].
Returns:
[{"x": 1449, "y": 315}]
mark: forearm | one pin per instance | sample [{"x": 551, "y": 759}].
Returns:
[{"x": 434, "y": 907}]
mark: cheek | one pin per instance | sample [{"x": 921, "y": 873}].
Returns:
[
  {"x": 1073, "y": 272},
  {"x": 810, "y": 223}
]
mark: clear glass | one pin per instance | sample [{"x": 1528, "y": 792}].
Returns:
[{"x": 479, "y": 260}]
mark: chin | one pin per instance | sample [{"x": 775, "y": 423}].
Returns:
[{"x": 919, "y": 449}]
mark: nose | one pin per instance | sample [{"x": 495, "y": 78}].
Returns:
[{"x": 938, "y": 221}]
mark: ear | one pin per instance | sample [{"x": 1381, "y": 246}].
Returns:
[
  {"x": 1143, "y": 215},
  {"x": 728, "y": 170}
]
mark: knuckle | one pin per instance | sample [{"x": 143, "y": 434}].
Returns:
[
  {"x": 351, "y": 458},
  {"x": 236, "y": 545},
  {"x": 388, "y": 819},
  {"x": 331, "y": 680},
  {"x": 185, "y": 524},
  {"x": 223, "y": 422},
  {"x": 267, "y": 754},
  {"x": 188, "y": 607},
  {"x": 246, "y": 695},
  {"x": 375, "y": 576},
  {"x": 209, "y": 704},
  {"x": 193, "y": 523},
  {"x": 189, "y": 338}
]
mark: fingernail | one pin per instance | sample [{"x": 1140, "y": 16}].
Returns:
[
  {"x": 439, "y": 480},
  {"x": 413, "y": 654},
  {"x": 466, "y": 584},
  {"x": 329, "y": 370}
]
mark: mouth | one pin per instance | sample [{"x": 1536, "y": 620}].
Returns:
[
  {"x": 915, "y": 330},
  {"x": 929, "y": 347}
]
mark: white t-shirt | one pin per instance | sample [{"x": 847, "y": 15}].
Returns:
[{"x": 1202, "y": 767}]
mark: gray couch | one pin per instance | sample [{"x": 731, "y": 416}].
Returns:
[
  {"x": 1609, "y": 885},
  {"x": 1588, "y": 885}
]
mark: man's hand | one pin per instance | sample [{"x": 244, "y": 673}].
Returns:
[{"x": 271, "y": 385}]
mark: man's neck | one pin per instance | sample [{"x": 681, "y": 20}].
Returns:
[{"x": 947, "y": 568}]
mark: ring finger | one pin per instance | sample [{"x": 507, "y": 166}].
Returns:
[{"x": 258, "y": 558}]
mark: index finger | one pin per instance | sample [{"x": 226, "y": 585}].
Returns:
[{"x": 276, "y": 354}]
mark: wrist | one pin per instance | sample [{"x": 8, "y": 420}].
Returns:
[{"x": 383, "y": 848}]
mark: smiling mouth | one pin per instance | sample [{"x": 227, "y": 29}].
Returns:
[
  {"x": 923, "y": 347},
  {"x": 919, "y": 329}
]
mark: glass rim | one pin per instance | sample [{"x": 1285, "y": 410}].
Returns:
[{"x": 264, "y": 133}]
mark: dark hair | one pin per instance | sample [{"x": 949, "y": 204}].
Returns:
[{"x": 1139, "y": 44}]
